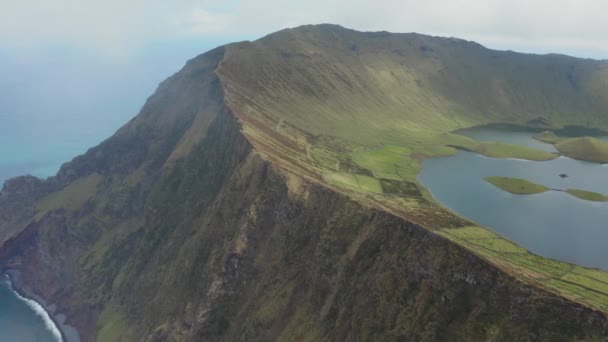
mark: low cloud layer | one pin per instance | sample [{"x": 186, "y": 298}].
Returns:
[{"x": 115, "y": 27}]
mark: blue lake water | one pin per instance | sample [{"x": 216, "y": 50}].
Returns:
[{"x": 552, "y": 224}]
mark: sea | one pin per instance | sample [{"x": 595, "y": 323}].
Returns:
[
  {"x": 22, "y": 319},
  {"x": 38, "y": 133}
]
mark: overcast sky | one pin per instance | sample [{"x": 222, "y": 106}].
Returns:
[{"x": 118, "y": 28}]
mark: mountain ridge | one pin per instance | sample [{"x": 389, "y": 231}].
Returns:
[{"x": 231, "y": 159}]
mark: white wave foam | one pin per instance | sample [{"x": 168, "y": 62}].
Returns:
[
  {"x": 42, "y": 313},
  {"x": 522, "y": 160}
]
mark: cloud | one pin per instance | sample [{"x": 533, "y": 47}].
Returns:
[
  {"x": 110, "y": 26},
  {"x": 116, "y": 26}
]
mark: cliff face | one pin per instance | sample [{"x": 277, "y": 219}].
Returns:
[
  {"x": 71, "y": 234},
  {"x": 203, "y": 219}
]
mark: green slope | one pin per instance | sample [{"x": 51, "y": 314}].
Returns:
[
  {"x": 586, "y": 148},
  {"x": 323, "y": 101},
  {"x": 588, "y": 195},
  {"x": 268, "y": 191},
  {"x": 394, "y": 88},
  {"x": 516, "y": 185}
]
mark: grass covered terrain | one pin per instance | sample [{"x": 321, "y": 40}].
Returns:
[
  {"x": 403, "y": 163},
  {"x": 193, "y": 213},
  {"x": 354, "y": 182},
  {"x": 586, "y": 148},
  {"x": 575, "y": 282},
  {"x": 588, "y": 195},
  {"x": 581, "y": 148},
  {"x": 72, "y": 197},
  {"x": 501, "y": 150},
  {"x": 388, "y": 162},
  {"x": 396, "y": 167},
  {"x": 523, "y": 187},
  {"x": 359, "y": 112},
  {"x": 516, "y": 185},
  {"x": 384, "y": 175}
]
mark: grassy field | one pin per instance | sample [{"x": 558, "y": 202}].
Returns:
[
  {"x": 384, "y": 175},
  {"x": 586, "y": 148},
  {"x": 403, "y": 163},
  {"x": 523, "y": 187},
  {"x": 588, "y": 195},
  {"x": 359, "y": 183},
  {"x": 516, "y": 185},
  {"x": 582, "y": 148},
  {"x": 503, "y": 150},
  {"x": 388, "y": 162},
  {"x": 578, "y": 283},
  {"x": 496, "y": 149}
]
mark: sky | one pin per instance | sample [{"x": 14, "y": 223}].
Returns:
[
  {"x": 121, "y": 28},
  {"x": 73, "y": 71}
]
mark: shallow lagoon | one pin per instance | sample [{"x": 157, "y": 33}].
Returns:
[{"x": 552, "y": 224}]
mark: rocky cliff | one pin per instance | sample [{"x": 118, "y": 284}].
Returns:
[{"x": 209, "y": 215}]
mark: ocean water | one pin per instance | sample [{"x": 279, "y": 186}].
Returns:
[
  {"x": 47, "y": 117},
  {"x": 23, "y": 320},
  {"x": 42, "y": 157},
  {"x": 58, "y": 102}
]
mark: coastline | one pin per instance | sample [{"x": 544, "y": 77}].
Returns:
[{"x": 65, "y": 332}]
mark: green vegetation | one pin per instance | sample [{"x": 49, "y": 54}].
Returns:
[
  {"x": 586, "y": 148},
  {"x": 516, "y": 185},
  {"x": 388, "y": 162},
  {"x": 588, "y": 195},
  {"x": 357, "y": 112},
  {"x": 403, "y": 163},
  {"x": 504, "y": 150},
  {"x": 578, "y": 283},
  {"x": 354, "y": 182},
  {"x": 581, "y": 148},
  {"x": 72, "y": 197},
  {"x": 113, "y": 326},
  {"x": 495, "y": 149},
  {"x": 244, "y": 142},
  {"x": 524, "y": 187}
]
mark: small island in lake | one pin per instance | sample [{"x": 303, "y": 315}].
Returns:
[
  {"x": 586, "y": 148},
  {"x": 516, "y": 185},
  {"x": 581, "y": 148},
  {"x": 497, "y": 149},
  {"x": 588, "y": 195},
  {"x": 523, "y": 187}
]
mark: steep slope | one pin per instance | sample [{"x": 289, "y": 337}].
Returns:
[{"x": 221, "y": 211}]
